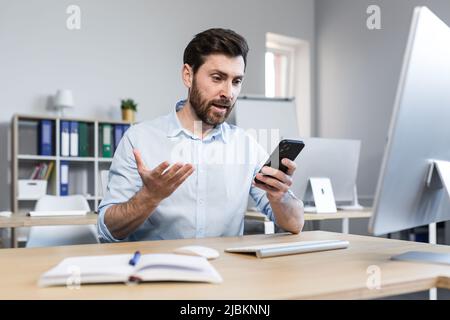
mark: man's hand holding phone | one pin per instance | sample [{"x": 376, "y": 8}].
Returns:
[
  {"x": 275, "y": 182},
  {"x": 276, "y": 175}
]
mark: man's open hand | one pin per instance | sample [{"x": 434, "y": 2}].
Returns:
[{"x": 159, "y": 182}]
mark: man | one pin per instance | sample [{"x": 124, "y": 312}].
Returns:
[{"x": 151, "y": 196}]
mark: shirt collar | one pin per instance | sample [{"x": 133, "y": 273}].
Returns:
[{"x": 175, "y": 128}]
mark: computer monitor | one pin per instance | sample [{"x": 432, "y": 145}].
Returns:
[
  {"x": 414, "y": 179},
  {"x": 336, "y": 159}
]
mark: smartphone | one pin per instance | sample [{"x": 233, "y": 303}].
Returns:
[{"x": 289, "y": 149}]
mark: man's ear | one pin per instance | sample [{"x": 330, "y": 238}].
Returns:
[{"x": 188, "y": 75}]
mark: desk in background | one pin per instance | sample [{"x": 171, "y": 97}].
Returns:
[
  {"x": 18, "y": 220},
  {"x": 337, "y": 274},
  {"x": 341, "y": 214}
]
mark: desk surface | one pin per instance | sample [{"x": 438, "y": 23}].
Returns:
[
  {"x": 341, "y": 214},
  {"x": 328, "y": 274},
  {"x": 22, "y": 220}
]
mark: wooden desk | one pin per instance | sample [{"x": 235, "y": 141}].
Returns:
[
  {"x": 322, "y": 275},
  {"x": 345, "y": 215},
  {"x": 18, "y": 220},
  {"x": 341, "y": 214},
  {"x": 366, "y": 213}
]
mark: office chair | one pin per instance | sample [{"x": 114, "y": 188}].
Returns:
[{"x": 45, "y": 236}]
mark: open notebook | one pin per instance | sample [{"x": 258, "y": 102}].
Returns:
[{"x": 116, "y": 268}]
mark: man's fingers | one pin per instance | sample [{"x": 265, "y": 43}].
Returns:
[
  {"x": 160, "y": 168},
  {"x": 265, "y": 187},
  {"x": 183, "y": 178},
  {"x": 290, "y": 165},
  {"x": 139, "y": 162},
  {"x": 274, "y": 183},
  {"x": 180, "y": 173},
  {"x": 172, "y": 171},
  {"x": 280, "y": 175}
]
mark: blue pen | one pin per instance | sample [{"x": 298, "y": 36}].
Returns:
[{"x": 133, "y": 261}]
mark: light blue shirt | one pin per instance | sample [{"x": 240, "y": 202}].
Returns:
[{"x": 211, "y": 202}]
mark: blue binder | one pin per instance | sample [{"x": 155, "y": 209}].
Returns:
[
  {"x": 64, "y": 179},
  {"x": 125, "y": 128},
  {"x": 118, "y": 133},
  {"x": 45, "y": 145}
]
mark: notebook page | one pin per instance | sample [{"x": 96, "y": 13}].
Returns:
[
  {"x": 176, "y": 267},
  {"x": 170, "y": 260},
  {"x": 90, "y": 269}
]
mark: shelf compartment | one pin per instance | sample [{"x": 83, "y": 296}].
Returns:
[{"x": 28, "y": 135}]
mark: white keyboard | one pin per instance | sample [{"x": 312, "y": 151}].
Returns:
[
  {"x": 280, "y": 249},
  {"x": 57, "y": 213}
]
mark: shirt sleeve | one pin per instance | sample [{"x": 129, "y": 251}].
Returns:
[
  {"x": 258, "y": 195},
  {"x": 123, "y": 183},
  {"x": 262, "y": 203}
]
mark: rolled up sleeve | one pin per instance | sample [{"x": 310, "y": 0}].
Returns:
[
  {"x": 123, "y": 183},
  {"x": 262, "y": 203}
]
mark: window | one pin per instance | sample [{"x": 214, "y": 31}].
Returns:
[
  {"x": 278, "y": 73},
  {"x": 288, "y": 75}
]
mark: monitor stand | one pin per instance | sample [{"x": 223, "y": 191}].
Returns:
[
  {"x": 438, "y": 178},
  {"x": 355, "y": 206},
  {"x": 423, "y": 256},
  {"x": 321, "y": 191}
]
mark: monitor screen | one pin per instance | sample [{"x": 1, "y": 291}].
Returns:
[
  {"x": 336, "y": 159},
  {"x": 419, "y": 132}
]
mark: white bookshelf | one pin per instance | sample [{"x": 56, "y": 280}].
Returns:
[
  {"x": 84, "y": 172},
  {"x": 35, "y": 157},
  {"x": 79, "y": 159}
]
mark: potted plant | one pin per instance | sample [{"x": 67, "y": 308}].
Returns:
[{"x": 129, "y": 107}]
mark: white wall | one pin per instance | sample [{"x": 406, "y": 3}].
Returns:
[
  {"x": 124, "y": 49},
  {"x": 357, "y": 73},
  {"x": 134, "y": 49}
]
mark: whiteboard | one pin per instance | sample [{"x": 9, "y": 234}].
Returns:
[{"x": 267, "y": 114}]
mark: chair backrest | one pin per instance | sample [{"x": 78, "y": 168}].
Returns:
[
  {"x": 54, "y": 203},
  {"x": 44, "y": 236}
]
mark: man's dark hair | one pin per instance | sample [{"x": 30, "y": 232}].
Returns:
[{"x": 214, "y": 41}]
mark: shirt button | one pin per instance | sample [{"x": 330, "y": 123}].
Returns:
[{"x": 200, "y": 201}]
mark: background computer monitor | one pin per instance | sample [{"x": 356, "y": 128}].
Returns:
[
  {"x": 336, "y": 159},
  {"x": 419, "y": 132}
]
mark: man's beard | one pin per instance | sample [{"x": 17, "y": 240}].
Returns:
[{"x": 205, "y": 110}]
